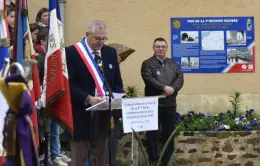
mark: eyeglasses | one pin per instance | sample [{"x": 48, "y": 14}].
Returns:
[
  {"x": 98, "y": 38},
  {"x": 163, "y": 47}
]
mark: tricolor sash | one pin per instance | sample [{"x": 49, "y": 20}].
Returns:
[{"x": 92, "y": 67}]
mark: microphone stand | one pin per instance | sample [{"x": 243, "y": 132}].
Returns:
[{"x": 111, "y": 112}]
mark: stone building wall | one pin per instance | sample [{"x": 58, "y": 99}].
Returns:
[{"x": 217, "y": 149}]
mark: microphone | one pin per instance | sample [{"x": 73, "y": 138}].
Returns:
[{"x": 98, "y": 60}]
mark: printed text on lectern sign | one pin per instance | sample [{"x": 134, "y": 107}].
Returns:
[{"x": 140, "y": 114}]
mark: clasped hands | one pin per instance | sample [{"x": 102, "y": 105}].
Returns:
[{"x": 167, "y": 91}]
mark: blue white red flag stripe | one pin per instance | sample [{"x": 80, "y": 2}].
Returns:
[
  {"x": 56, "y": 92},
  {"x": 21, "y": 30},
  {"x": 92, "y": 67},
  {"x": 4, "y": 33},
  {"x": 24, "y": 35}
]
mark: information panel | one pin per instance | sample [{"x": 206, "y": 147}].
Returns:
[{"x": 213, "y": 44}]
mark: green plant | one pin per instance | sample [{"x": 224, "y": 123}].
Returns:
[
  {"x": 223, "y": 121},
  {"x": 131, "y": 91},
  {"x": 142, "y": 148},
  {"x": 234, "y": 120},
  {"x": 236, "y": 102},
  {"x": 170, "y": 162}
]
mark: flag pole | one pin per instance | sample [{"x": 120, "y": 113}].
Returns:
[
  {"x": 47, "y": 133},
  {"x": 47, "y": 118},
  {"x": 14, "y": 57},
  {"x": 57, "y": 100}
]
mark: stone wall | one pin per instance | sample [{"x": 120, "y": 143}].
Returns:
[{"x": 217, "y": 149}]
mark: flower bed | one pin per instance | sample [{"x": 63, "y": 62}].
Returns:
[
  {"x": 223, "y": 121},
  {"x": 231, "y": 138}
]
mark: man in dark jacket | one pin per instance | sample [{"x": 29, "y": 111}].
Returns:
[
  {"x": 91, "y": 128},
  {"x": 162, "y": 76}
]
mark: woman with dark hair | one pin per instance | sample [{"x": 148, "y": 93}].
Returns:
[{"x": 42, "y": 17}]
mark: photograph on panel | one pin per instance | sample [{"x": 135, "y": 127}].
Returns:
[
  {"x": 190, "y": 62},
  {"x": 236, "y": 38},
  {"x": 212, "y": 40},
  {"x": 189, "y": 36},
  {"x": 239, "y": 55}
]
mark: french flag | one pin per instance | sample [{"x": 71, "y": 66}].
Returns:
[
  {"x": 56, "y": 92},
  {"x": 4, "y": 33},
  {"x": 24, "y": 48}
]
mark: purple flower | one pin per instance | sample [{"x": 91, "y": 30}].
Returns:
[
  {"x": 179, "y": 117},
  {"x": 247, "y": 120},
  {"x": 247, "y": 113},
  {"x": 208, "y": 114},
  {"x": 248, "y": 127},
  {"x": 253, "y": 123},
  {"x": 217, "y": 129}
]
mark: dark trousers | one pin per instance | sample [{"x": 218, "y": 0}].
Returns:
[
  {"x": 167, "y": 119},
  {"x": 116, "y": 136},
  {"x": 41, "y": 131}
]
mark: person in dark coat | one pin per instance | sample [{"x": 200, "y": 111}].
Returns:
[
  {"x": 91, "y": 128},
  {"x": 162, "y": 76}
]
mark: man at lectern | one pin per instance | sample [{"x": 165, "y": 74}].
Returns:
[
  {"x": 162, "y": 76},
  {"x": 87, "y": 61}
]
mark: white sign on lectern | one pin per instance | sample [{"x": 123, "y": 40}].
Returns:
[
  {"x": 140, "y": 114},
  {"x": 104, "y": 105}
]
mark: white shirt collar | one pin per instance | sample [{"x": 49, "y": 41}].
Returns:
[
  {"x": 90, "y": 49},
  {"x": 162, "y": 60}
]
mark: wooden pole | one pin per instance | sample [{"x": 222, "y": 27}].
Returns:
[{"x": 14, "y": 57}]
